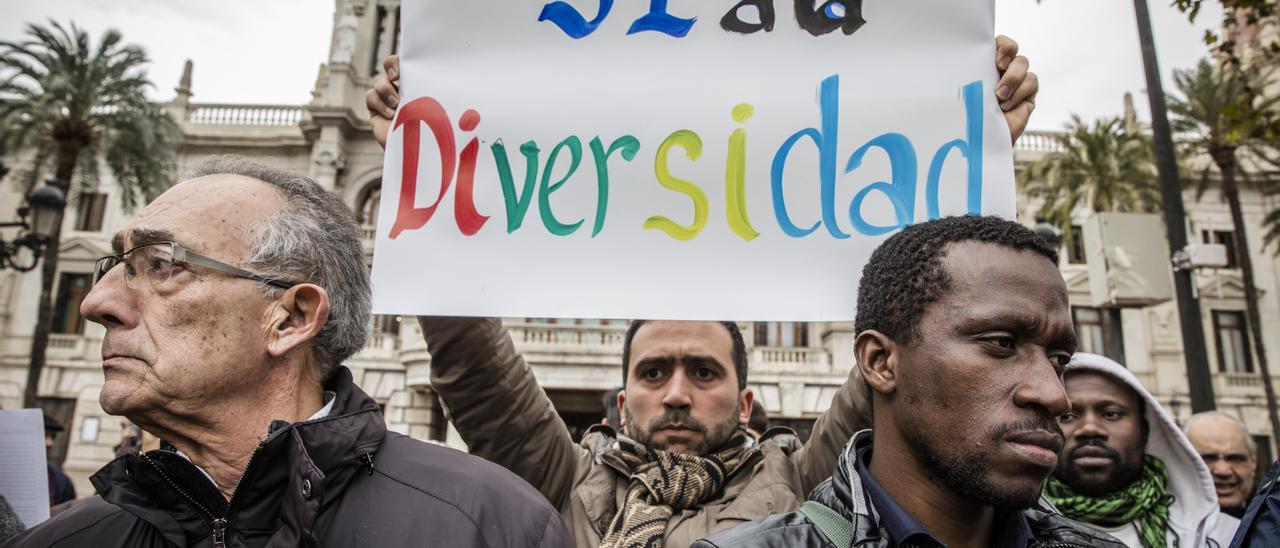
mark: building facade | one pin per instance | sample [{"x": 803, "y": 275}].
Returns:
[{"x": 795, "y": 367}]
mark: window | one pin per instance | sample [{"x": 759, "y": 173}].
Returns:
[
  {"x": 566, "y": 321},
  {"x": 1099, "y": 331},
  {"x": 389, "y": 325},
  {"x": 367, "y": 211},
  {"x": 90, "y": 211},
  {"x": 782, "y": 334},
  {"x": 1075, "y": 246},
  {"x": 1088, "y": 329},
  {"x": 1229, "y": 331},
  {"x": 66, "y": 308},
  {"x": 1263, "y": 455},
  {"x": 385, "y": 19},
  {"x": 62, "y": 410},
  {"x": 1226, "y": 238}
]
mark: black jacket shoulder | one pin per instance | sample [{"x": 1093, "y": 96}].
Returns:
[
  {"x": 93, "y": 521},
  {"x": 465, "y": 496}
]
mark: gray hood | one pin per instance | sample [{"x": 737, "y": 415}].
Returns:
[{"x": 1194, "y": 514}]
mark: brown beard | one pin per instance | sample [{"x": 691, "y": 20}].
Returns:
[{"x": 712, "y": 437}]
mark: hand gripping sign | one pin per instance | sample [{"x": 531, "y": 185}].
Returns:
[{"x": 683, "y": 159}]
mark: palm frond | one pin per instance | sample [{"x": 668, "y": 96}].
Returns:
[{"x": 82, "y": 103}]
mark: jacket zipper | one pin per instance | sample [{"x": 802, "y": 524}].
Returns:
[{"x": 217, "y": 526}]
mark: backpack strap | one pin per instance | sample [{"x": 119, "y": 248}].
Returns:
[{"x": 834, "y": 526}]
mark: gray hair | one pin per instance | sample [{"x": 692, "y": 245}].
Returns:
[
  {"x": 1248, "y": 440},
  {"x": 314, "y": 239}
]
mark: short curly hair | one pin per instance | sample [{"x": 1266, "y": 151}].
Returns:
[{"x": 905, "y": 274}]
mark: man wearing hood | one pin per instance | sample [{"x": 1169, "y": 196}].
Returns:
[{"x": 1127, "y": 469}]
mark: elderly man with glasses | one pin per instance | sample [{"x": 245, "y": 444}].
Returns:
[{"x": 229, "y": 305}]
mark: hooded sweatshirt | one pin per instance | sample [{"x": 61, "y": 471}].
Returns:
[{"x": 1194, "y": 518}]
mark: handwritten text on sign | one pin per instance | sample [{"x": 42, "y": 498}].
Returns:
[{"x": 638, "y": 123}]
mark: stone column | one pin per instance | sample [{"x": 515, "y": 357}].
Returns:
[{"x": 327, "y": 160}]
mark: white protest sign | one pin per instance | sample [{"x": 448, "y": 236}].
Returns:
[
  {"x": 24, "y": 477},
  {"x": 684, "y": 159}
]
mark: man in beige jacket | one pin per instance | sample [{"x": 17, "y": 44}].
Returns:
[
  {"x": 683, "y": 406},
  {"x": 683, "y": 466}
]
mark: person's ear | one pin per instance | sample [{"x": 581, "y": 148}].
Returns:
[
  {"x": 299, "y": 315},
  {"x": 622, "y": 408},
  {"x": 877, "y": 357},
  {"x": 745, "y": 400}
]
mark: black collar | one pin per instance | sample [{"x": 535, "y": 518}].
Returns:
[{"x": 1011, "y": 528}]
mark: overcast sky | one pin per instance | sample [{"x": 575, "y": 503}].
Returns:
[{"x": 267, "y": 51}]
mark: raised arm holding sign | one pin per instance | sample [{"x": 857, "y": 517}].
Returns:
[{"x": 686, "y": 395}]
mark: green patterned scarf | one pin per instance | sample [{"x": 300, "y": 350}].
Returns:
[
  {"x": 663, "y": 483},
  {"x": 1145, "y": 503}
]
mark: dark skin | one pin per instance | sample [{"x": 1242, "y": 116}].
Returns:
[
  {"x": 1106, "y": 434},
  {"x": 983, "y": 380}
]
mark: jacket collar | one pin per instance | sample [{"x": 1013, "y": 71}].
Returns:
[
  {"x": 296, "y": 470},
  {"x": 845, "y": 493}
]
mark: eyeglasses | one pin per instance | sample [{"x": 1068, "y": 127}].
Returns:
[
  {"x": 154, "y": 263},
  {"x": 1232, "y": 459}
]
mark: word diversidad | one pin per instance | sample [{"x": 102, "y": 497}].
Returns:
[{"x": 900, "y": 190}]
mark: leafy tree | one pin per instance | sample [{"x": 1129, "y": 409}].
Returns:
[
  {"x": 78, "y": 106},
  {"x": 1235, "y": 13},
  {"x": 1103, "y": 166},
  {"x": 1225, "y": 115}
]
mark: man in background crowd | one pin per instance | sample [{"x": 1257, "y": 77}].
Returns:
[
  {"x": 759, "y": 421},
  {"x": 1231, "y": 455},
  {"x": 1127, "y": 469},
  {"x": 609, "y": 401},
  {"x": 60, "y": 488}
]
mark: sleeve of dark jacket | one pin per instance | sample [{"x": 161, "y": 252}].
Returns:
[
  {"x": 496, "y": 404},
  {"x": 850, "y": 412}
]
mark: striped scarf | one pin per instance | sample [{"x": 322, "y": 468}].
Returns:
[
  {"x": 663, "y": 483},
  {"x": 1145, "y": 503}
]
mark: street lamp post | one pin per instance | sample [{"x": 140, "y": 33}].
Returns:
[
  {"x": 1200, "y": 384},
  {"x": 44, "y": 205}
]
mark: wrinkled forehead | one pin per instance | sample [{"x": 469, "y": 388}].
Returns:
[
  {"x": 985, "y": 270},
  {"x": 990, "y": 284},
  {"x": 671, "y": 339},
  {"x": 216, "y": 214},
  {"x": 1218, "y": 432}
]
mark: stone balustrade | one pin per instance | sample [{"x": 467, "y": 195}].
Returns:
[
  {"x": 545, "y": 337},
  {"x": 789, "y": 358},
  {"x": 211, "y": 114},
  {"x": 1039, "y": 141}
]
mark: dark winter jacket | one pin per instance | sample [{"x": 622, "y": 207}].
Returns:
[
  {"x": 1260, "y": 526},
  {"x": 844, "y": 493},
  {"x": 341, "y": 480},
  {"x": 60, "y": 488}
]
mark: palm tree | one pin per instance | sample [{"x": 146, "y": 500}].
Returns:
[
  {"x": 77, "y": 106},
  {"x": 1104, "y": 166},
  {"x": 1224, "y": 114}
]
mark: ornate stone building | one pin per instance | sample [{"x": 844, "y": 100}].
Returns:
[{"x": 795, "y": 368}]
